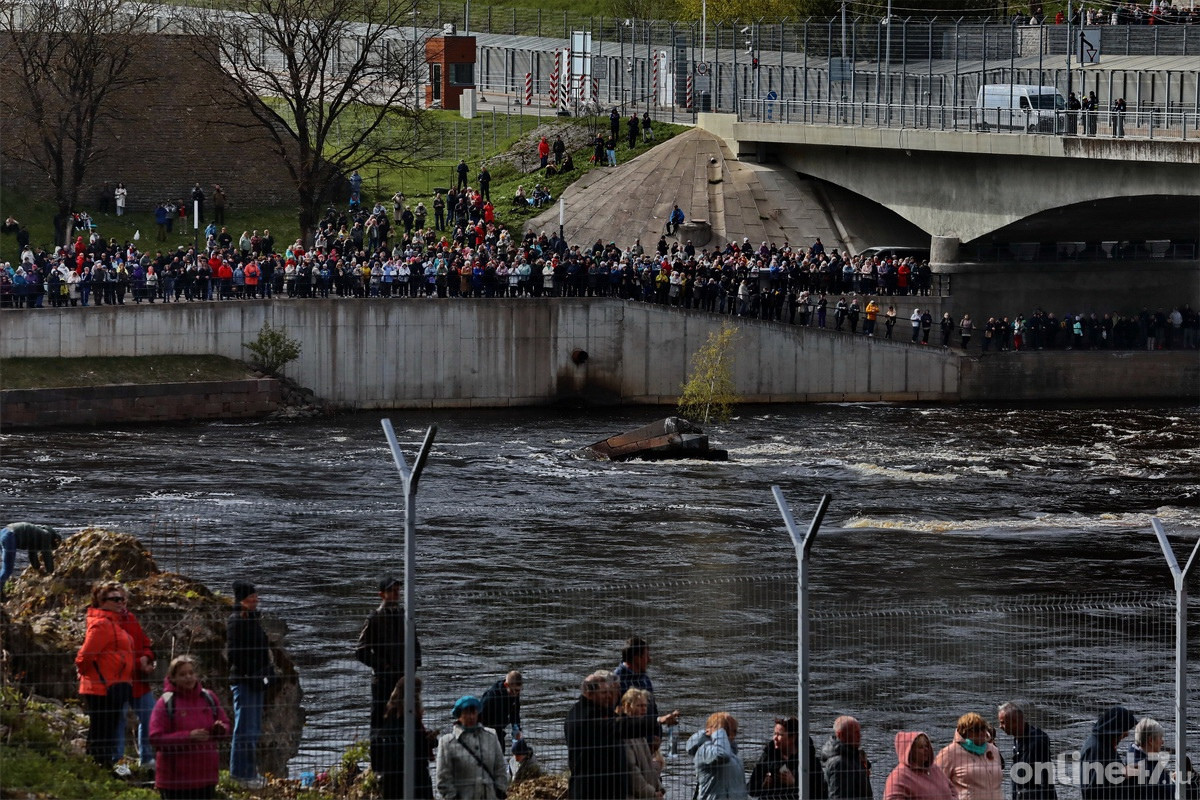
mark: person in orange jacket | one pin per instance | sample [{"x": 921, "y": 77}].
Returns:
[{"x": 105, "y": 665}]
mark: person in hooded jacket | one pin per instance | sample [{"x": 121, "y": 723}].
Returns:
[
  {"x": 916, "y": 777},
  {"x": 971, "y": 762},
  {"x": 719, "y": 770},
  {"x": 105, "y": 665},
  {"x": 1100, "y": 749},
  {"x": 186, "y": 728},
  {"x": 845, "y": 765}
]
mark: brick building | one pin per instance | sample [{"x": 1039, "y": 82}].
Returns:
[{"x": 168, "y": 134}]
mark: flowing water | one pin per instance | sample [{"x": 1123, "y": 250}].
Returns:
[{"x": 530, "y": 555}]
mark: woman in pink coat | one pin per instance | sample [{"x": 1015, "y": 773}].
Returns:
[
  {"x": 186, "y": 728},
  {"x": 916, "y": 777},
  {"x": 972, "y": 763}
]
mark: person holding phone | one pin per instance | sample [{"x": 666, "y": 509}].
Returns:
[{"x": 186, "y": 728}]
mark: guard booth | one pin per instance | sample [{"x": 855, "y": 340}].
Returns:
[{"x": 451, "y": 61}]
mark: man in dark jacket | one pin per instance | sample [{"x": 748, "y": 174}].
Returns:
[
  {"x": 844, "y": 764},
  {"x": 776, "y": 776},
  {"x": 1100, "y": 750},
  {"x": 381, "y": 646},
  {"x": 1031, "y": 750},
  {"x": 595, "y": 750},
  {"x": 502, "y": 706},
  {"x": 37, "y": 540}
]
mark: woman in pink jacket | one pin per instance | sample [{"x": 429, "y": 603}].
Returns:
[
  {"x": 916, "y": 777},
  {"x": 186, "y": 727},
  {"x": 972, "y": 763}
]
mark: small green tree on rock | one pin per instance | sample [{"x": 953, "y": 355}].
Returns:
[
  {"x": 709, "y": 393},
  {"x": 273, "y": 348}
]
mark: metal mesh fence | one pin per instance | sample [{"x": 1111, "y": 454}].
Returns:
[{"x": 722, "y": 640}]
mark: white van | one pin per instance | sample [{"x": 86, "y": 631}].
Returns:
[{"x": 1013, "y": 106}]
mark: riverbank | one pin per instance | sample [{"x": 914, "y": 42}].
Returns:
[{"x": 67, "y": 392}]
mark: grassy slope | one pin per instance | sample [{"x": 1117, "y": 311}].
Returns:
[{"x": 489, "y": 136}]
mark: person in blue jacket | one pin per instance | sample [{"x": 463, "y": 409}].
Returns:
[{"x": 719, "y": 770}]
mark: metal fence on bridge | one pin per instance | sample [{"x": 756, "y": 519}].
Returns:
[{"x": 1104, "y": 122}]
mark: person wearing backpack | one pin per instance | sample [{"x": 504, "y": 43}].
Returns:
[{"x": 186, "y": 728}]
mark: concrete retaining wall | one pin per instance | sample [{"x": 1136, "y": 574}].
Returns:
[
  {"x": 427, "y": 353},
  {"x": 1082, "y": 377},
  {"x": 108, "y": 405},
  {"x": 477, "y": 353}
]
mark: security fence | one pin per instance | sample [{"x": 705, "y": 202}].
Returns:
[
  {"x": 673, "y": 68},
  {"x": 721, "y": 640}
]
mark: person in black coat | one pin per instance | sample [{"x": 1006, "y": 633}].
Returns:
[
  {"x": 776, "y": 776},
  {"x": 1031, "y": 747},
  {"x": 248, "y": 651},
  {"x": 595, "y": 745},
  {"x": 387, "y": 749},
  {"x": 381, "y": 646},
  {"x": 844, "y": 764},
  {"x": 1100, "y": 750},
  {"x": 502, "y": 706},
  {"x": 634, "y": 125}
]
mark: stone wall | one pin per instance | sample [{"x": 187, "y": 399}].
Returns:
[
  {"x": 170, "y": 133},
  {"x": 111, "y": 405}
]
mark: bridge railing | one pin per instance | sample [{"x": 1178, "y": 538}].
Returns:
[{"x": 1148, "y": 123}]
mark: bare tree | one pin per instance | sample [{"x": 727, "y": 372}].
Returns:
[
  {"x": 71, "y": 64},
  {"x": 331, "y": 84}
]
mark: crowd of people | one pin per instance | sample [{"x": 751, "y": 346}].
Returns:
[
  {"x": 617, "y": 737},
  {"x": 1157, "y": 12},
  {"x": 462, "y": 252}
]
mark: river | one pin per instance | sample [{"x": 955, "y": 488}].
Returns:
[{"x": 969, "y": 556}]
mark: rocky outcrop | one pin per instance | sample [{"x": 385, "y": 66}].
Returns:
[{"x": 42, "y": 625}]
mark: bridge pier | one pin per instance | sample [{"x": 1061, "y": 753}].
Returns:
[{"x": 944, "y": 250}]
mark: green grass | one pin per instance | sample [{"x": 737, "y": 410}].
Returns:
[
  {"x": 54, "y": 373},
  {"x": 453, "y": 137},
  {"x": 38, "y": 215},
  {"x": 35, "y": 763}
]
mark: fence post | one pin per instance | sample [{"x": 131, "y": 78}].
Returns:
[
  {"x": 803, "y": 545},
  {"x": 1181, "y": 599},
  {"x": 409, "y": 480}
]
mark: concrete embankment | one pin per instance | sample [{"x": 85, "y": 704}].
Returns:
[
  {"x": 479, "y": 353},
  {"x": 124, "y": 403}
]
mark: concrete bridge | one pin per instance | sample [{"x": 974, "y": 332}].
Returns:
[{"x": 965, "y": 186}]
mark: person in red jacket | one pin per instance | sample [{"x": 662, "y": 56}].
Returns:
[
  {"x": 142, "y": 699},
  {"x": 186, "y": 729},
  {"x": 105, "y": 666}
]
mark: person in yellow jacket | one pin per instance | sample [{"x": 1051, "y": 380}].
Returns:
[
  {"x": 872, "y": 312},
  {"x": 105, "y": 665}
]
